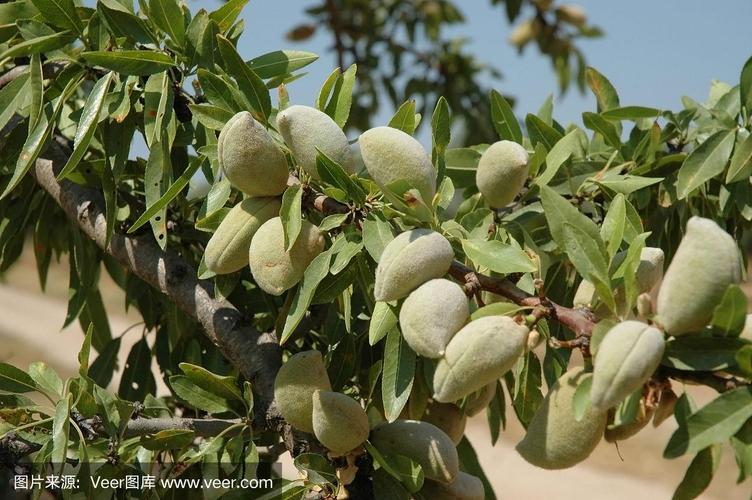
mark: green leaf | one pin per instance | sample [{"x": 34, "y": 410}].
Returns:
[
  {"x": 440, "y": 137},
  {"x": 383, "y": 320},
  {"x": 158, "y": 109},
  {"x": 103, "y": 367},
  {"x": 527, "y": 390},
  {"x": 405, "y": 470},
  {"x": 612, "y": 229},
  {"x": 38, "y": 45},
  {"x": 137, "y": 380},
  {"x": 168, "y": 439},
  {"x": 558, "y": 211},
  {"x": 175, "y": 188},
  {"x": 197, "y": 397},
  {"x": 60, "y": 427},
  {"x": 332, "y": 173},
  {"x": 37, "y": 91},
  {"x": 316, "y": 468},
  {"x": 314, "y": 274},
  {"x": 15, "y": 380},
  {"x": 123, "y": 23},
  {"x": 223, "y": 386},
  {"x": 630, "y": 113},
  {"x": 341, "y": 101},
  {"x": 37, "y": 139},
  {"x": 226, "y": 15},
  {"x": 281, "y": 62},
  {"x": 497, "y": 309},
  {"x": 745, "y": 86},
  {"x": 705, "y": 162},
  {"x": 713, "y": 423},
  {"x": 702, "y": 353},
  {"x": 503, "y": 118},
  {"x": 741, "y": 161},
  {"x": 404, "y": 118},
  {"x": 11, "y": 98},
  {"x": 158, "y": 168},
  {"x": 46, "y": 378},
  {"x": 498, "y": 257},
  {"x": 168, "y": 17},
  {"x": 85, "y": 351},
  {"x": 730, "y": 314},
  {"x": 87, "y": 124},
  {"x": 326, "y": 89},
  {"x": 377, "y": 234},
  {"x": 251, "y": 86},
  {"x": 217, "y": 90},
  {"x": 566, "y": 147},
  {"x": 461, "y": 166},
  {"x": 628, "y": 184},
  {"x": 61, "y": 13},
  {"x": 211, "y": 117},
  {"x": 541, "y": 132},
  {"x": 604, "y": 91},
  {"x": 699, "y": 474},
  {"x": 597, "y": 123},
  {"x": 130, "y": 62},
  {"x": 291, "y": 215},
  {"x": 589, "y": 259},
  {"x": 398, "y": 374}
]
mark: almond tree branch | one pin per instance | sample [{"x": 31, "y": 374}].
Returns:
[
  {"x": 257, "y": 355},
  {"x": 203, "y": 427}
]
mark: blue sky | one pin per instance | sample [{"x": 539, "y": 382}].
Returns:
[{"x": 654, "y": 51}]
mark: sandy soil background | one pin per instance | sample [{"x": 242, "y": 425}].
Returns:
[{"x": 30, "y": 323}]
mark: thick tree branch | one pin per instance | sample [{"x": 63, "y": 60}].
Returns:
[{"x": 257, "y": 355}]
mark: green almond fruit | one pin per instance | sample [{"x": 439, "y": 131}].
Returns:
[
  {"x": 627, "y": 356},
  {"x": 502, "y": 171},
  {"x": 227, "y": 250},
  {"x": 431, "y": 315},
  {"x": 479, "y": 354},
  {"x": 554, "y": 438},
  {"x": 339, "y": 422},
  {"x": 422, "y": 442},
  {"x": 480, "y": 399},
  {"x": 408, "y": 261},
  {"x": 250, "y": 158},
  {"x": 390, "y": 155},
  {"x": 302, "y": 375},
  {"x": 275, "y": 270},
  {"x": 464, "y": 487},
  {"x": 307, "y": 129},
  {"x": 448, "y": 417},
  {"x": 704, "y": 265}
]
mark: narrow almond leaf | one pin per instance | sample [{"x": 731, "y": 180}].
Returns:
[
  {"x": 130, "y": 62},
  {"x": 87, "y": 124},
  {"x": 291, "y": 214},
  {"x": 281, "y": 62},
  {"x": 15, "y": 380},
  {"x": 226, "y": 15},
  {"x": 705, "y": 162},
  {"x": 604, "y": 91},
  {"x": 404, "y": 118},
  {"x": 168, "y": 16},
  {"x": 61, "y": 13},
  {"x": 504, "y": 121},
  {"x": 398, "y": 374},
  {"x": 741, "y": 162},
  {"x": 252, "y": 87}
]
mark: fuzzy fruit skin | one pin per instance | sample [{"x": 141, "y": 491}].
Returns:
[
  {"x": 464, "y": 487},
  {"x": 227, "y": 250},
  {"x": 250, "y": 158},
  {"x": 423, "y": 442},
  {"x": 627, "y": 356},
  {"x": 650, "y": 269},
  {"x": 408, "y": 261},
  {"x": 479, "y": 354},
  {"x": 431, "y": 315},
  {"x": 391, "y": 155},
  {"x": 554, "y": 438},
  {"x": 705, "y": 264},
  {"x": 626, "y": 431},
  {"x": 305, "y": 128},
  {"x": 480, "y": 399},
  {"x": 339, "y": 422},
  {"x": 448, "y": 417},
  {"x": 275, "y": 270},
  {"x": 296, "y": 380},
  {"x": 502, "y": 171}
]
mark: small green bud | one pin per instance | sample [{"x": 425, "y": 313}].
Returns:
[
  {"x": 275, "y": 270},
  {"x": 479, "y": 354},
  {"x": 431, "y": 315},
  {"x": 705, "y": 264},
  {"x": 464, "y": 487},
  {"x": 480, "y": 399},
  {"x": 422, "y": 442},
  {"x": 627, "y": 357},
  {"x": 305, "y": 129},
  {"x": 448, "y": 417},
  {"x": 554, "y": 438},
  {"x": 227, "y": 250},
  {"x": 339, "y": 422},
  {"x": 250, "y": 158},
  {"x": 408, "y": 261},
  {"x": 390, "y": 155},
  {"x": 302, "y": 374},
  {"x": 502, "y": 171}
]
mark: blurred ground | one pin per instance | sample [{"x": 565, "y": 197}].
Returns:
[{"x": 30, "y": 331}]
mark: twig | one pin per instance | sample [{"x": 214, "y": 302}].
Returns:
[{"x": 206, "y": 427}]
